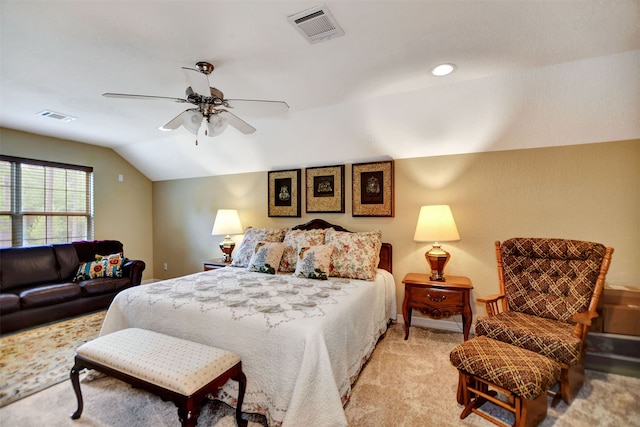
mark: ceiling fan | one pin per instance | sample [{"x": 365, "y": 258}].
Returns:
[{"x": 211, "y": 108}]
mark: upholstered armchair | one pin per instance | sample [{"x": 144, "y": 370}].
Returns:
[{"x": 549, "y": 291}]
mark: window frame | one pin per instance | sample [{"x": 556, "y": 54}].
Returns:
[{"x": 18, "y": 214}]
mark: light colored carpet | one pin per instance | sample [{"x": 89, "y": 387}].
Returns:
[{"x": 405, "y": 383}]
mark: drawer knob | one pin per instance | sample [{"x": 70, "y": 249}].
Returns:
[{"x": 436, "y": 298}]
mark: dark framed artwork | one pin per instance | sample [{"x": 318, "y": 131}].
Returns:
[
  {"x": 325, "y": 189},
  {"x": 372, "y": 189},
  {"x": 284, "y": 193}
]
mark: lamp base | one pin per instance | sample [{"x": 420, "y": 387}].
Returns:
[
  {"x": 227, "y": 246},
  {"x": 437, "y": 259}
]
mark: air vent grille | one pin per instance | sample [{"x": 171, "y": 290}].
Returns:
[
  {"x": 316, "y": 24},
  {"x": 57, "y": 116}
]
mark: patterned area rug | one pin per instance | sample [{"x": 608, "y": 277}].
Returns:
[{"x": 41, "y": 357}]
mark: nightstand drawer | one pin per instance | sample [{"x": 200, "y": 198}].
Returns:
[{"x": 433, "y": 297}]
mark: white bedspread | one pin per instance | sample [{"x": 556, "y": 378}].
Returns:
[{"x": 302, "y": 342}]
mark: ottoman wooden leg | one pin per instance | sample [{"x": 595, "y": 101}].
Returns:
[
  {"x": 75, "y": 381},
  {"x": 242, "y": 386}
]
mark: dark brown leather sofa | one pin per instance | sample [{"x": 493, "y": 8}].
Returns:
[{"x": 37, "y": 283}]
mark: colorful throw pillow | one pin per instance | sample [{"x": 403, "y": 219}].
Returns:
[
  {"x": 295, "y": 239},
  {"x": 313, "y": 262},
  {"x": 355, "y": 255},
  {"x": 103, "y": 266},
  {"x": 266, "y": 257},
  {"x": 251, "y": 237}
]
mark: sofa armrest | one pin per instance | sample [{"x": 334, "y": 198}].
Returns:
[
  {"x": 133, "y": 269},
  {"x": 493, "y": 303}
]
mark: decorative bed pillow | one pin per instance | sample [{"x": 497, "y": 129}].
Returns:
[
  {"x": 266, "y": 257},
  {"x": 313, "y": 262},
  {"x": 295, "y": 239},
  {"x": 253, "y": 236},
  {"x": 355, "y": 255},
  {"x": 103, "y": 266}
]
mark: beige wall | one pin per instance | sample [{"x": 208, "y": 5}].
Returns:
[
  {"x": 587, "y": 192},
  {"x": 122, "y": 209}
]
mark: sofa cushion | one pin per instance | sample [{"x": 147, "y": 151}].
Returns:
[
  {"x": 67, "y": 258},
  {"x": 9, "y": 303},
  {"x": 103, "y": 285},
  {"x": 27, "y": 266},
  {"x": 49, "y": 295}
]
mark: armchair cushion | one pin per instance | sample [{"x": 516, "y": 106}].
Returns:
[
  {"x": 548, "y": 337},
  {"x": 551, "y": 278}
]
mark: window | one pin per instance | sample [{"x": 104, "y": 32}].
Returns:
[{"x": 44, "y": 202}]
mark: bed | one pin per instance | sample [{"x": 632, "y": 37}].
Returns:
[{"x": 302, "y": 341}]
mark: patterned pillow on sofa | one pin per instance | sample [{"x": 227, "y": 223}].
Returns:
[{"x": 103, "y": 266}]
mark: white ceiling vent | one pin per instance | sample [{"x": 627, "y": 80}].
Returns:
[
  {"x": 316, "y": 24},
  {"x": 57, "y": 116}
]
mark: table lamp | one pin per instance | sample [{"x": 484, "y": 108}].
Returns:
[
  {"x": 436, "y": 224},
  {"x": 227, "y": 222}
]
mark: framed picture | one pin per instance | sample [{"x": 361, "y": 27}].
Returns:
[
  {"x": 325, "y": 189},
  {"x": 284, "y": 193},
  {"x": 373, "y": 189}
]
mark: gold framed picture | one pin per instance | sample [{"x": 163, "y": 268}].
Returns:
[
  {"x": 284, "y": 193},
  {"x": 325, "y": 189},
  {"x": 372, "y": 189}
]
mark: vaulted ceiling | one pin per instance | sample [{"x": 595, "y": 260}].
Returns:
[{"x": 528, "y": 74}]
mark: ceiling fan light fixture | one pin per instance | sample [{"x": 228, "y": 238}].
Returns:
[
  {"x": 192, "y": 121},
  {"x": 215, "y": 125},
  {"x": 443, "y": 70}
]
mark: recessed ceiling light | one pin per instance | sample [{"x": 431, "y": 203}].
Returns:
[{"x": 443, "y": 70}]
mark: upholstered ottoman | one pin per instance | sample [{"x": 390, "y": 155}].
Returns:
[
  {"x": 487, "y": 367},
  {"x": 175, "y": 369}
]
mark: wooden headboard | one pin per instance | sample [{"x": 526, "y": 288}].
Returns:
[{"x": 386, "y": 251}]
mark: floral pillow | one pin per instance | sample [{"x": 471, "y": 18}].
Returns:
[
  {"x": 314, "y": 262},
  {"x": 295, "y": 239},
  {"x": 355, "y": 255},
  {"x": 103, "y": 266},
  {"x": 266, "y": 257},
  {"x": 251, "y": 237}
]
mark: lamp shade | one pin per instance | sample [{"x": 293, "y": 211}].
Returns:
[
  {"x": 436, "y": 224},
  {"x": 227, "y": 222}
]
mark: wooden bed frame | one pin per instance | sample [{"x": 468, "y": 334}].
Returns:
[{"x": 386, "y": 251}]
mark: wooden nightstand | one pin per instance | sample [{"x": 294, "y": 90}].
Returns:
[
  {"x": 214, "y": 264},
  {"x": 437, "y": 299}
]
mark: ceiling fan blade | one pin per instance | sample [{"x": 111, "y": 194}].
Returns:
[
  {"x": 258, "y": 106},
  {"x": 174, "y": 123},
  {"x": 237, "y": 122},
  {"x": 129, "y": 96},
  {"x": 198, "y": 81}
]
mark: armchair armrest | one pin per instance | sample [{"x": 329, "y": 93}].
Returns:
[
  {"x": 584, "y": 318},
  {"x": 133, "y": 269},
  {"x": 493, "y": 303},
  {"x": 582, "y": 323}
]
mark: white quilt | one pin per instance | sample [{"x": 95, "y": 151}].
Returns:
[{"x": 302, "y": 342}]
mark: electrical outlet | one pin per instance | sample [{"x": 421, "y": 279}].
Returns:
[{"x": 165, "y": 266}]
